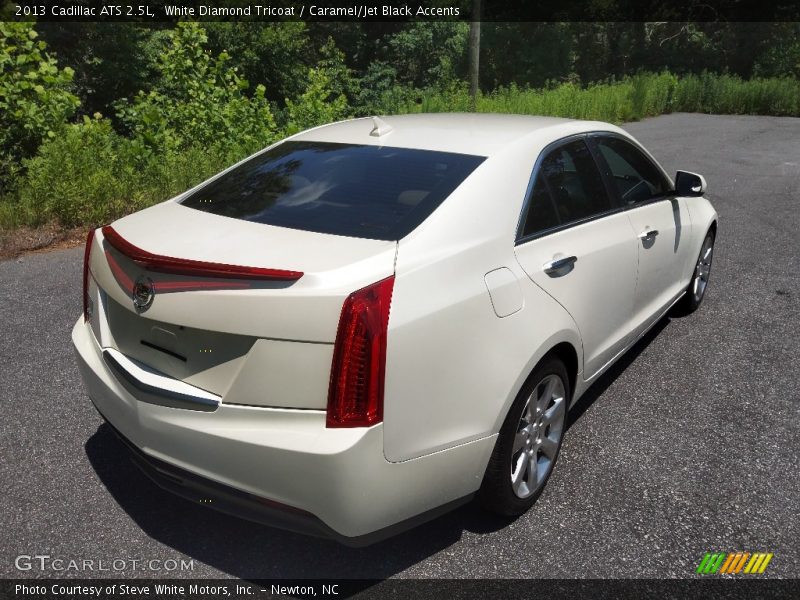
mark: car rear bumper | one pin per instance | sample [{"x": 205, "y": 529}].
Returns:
[{"x": 281, "y": 467}]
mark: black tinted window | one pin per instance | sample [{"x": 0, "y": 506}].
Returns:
[
  {"x": 575, "y": 182},
  {"x": 635, "y": 176},
  {"x": 541, "y": 212},
  {"x": 353, "y": 190}
]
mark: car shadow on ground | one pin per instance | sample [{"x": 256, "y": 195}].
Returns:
[
  {"x": 606, "y": 379},
  {"x": 251, "y": 551}
]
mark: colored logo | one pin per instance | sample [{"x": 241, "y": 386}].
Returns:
[{"x": 733, "y": 563}]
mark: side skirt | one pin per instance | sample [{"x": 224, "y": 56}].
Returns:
[{"x": 584, "y": 384}]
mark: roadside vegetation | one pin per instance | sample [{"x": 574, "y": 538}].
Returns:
[
  {"x": 632, "y": 98},
  {"x": 84, "y": 143}
]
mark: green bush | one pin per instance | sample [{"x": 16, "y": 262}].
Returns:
[
  {"x": 316, "y": 106},
  {"x": 427, "y": 54},
  {"x": 77, "y": 177},
  {"x": 197, "y": 100},
  {"x": 379, "y": 93},
  {"x": 632, "y": 98},
  {"x": 198, "y": 120},
  {"x": 652, "y": 94},
  {"x": 90, "y": 175},
  {"x": 689, "y": 94},
  {"x": 34, "y": 97}
]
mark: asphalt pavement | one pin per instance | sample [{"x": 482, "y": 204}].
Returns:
[{"x": 689, "y": 444}]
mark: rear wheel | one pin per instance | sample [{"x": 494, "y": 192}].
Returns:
[
  {"x": 697, "y": 286},
  {"x": 529, "y": 442}
]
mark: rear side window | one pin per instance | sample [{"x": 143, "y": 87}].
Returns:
[
  {"x": 575, "y": 183},
  {"x": 342, "y": 189},
  {"x": 541, "y": 213},
  {"x": 635, "y": 176}
]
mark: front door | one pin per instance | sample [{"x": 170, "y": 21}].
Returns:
[{"x": 657, "y": 219}]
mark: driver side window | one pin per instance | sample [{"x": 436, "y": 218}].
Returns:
[{"x": 633, "y": 174}]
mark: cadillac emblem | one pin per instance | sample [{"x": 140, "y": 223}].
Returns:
[{"x": 144, "y": 291}]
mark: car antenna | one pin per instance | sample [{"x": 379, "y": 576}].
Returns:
[{"x": 381, "y": 128}]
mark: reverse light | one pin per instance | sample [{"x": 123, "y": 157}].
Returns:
[
  {"x": 87, "y": 255},
  {"x": 355, "y": 394}
]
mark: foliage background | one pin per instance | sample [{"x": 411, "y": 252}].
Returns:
[{"x": 101, "y": 119}]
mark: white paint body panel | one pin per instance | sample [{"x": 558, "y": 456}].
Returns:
[
  {"x": 599, "y": 291},
  {"x": 472, "y": 313},
  {"x": 662, "y": 259},
  {"x": 286, "y": 455}
]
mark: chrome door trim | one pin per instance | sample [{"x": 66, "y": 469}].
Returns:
[
  {"x": 554, "y": 267},
  {"x": 647, "y": 234}
]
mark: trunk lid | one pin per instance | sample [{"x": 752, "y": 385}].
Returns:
[{"x": 252, "y": 341}]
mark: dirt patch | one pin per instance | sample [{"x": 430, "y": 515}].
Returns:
[{"x": 27, "y": 240}]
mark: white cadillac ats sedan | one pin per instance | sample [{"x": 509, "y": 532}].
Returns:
[{"x": 371, "y": 322}]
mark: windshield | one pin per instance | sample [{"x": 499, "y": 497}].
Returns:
[{"x": 344, "y": 189}]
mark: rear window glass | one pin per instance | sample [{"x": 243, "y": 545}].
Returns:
[{"x": 344, "y": 189}]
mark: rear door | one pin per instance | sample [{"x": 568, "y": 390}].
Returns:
[
  {"x": 575, "y": 242},
  {"x": 658, "y": 220}
]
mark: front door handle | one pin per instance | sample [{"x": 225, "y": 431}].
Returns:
[
  {"x": 557, "y": 267},
  {"x": 648, "y": 234}
]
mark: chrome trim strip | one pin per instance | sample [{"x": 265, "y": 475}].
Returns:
[{"x": 151, "y": 386}]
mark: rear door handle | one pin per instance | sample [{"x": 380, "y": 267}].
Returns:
[
  {"x": 647, "y": 234},
  {"x": 557, "y": 267}
]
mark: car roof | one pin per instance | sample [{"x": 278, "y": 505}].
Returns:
[{"x": 481, "y": 134}]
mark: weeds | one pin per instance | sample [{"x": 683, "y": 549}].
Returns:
[{"x": 89, "y": 174}]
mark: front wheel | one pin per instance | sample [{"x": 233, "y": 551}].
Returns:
[
  {"x": 529, "y": 442},
  {"x": 697, "y": 286}
]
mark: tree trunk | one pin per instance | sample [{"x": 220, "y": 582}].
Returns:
[{"x": 474, "y": 51}]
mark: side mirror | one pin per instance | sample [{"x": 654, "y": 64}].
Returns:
[{"x": 689, "y": 184}]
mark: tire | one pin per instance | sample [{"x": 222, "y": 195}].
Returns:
[
  {"x": 509, "y": 486},
  {"x": 696, "y": 290}
]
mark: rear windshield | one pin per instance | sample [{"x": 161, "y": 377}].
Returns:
[{"x": 353, "y": 190}]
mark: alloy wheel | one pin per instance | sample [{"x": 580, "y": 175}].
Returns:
[
  {"x": 538, "y": 436},
  {"x": 703, "y": 269}
]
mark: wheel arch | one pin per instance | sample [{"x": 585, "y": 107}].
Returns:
[
  {"x": 568, "y": 355},
  {"x": 566, "y": 350},
  {"x": 496, "y": 491}
]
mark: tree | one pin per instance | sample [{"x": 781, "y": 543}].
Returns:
[
  {"x": 110, "y": 59},
  {"x": 427, "y": 55},
  {"x": 316, "y": 106},
  {"x": 35, "y": 100},
  {"x": 197, "y": 100},
  {"x": 474, "y": 51},
  {"x": 276, "y": 55}
]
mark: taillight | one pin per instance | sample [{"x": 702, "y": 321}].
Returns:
[
  {"x": 355, "y": 395},
  {"x": 184, "y": 266},
  {"x": 87, "y": 254}
]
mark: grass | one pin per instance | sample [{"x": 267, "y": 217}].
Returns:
[
  {"x": 91, "y": 175},
  {"x": 631, "y": 99}
]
